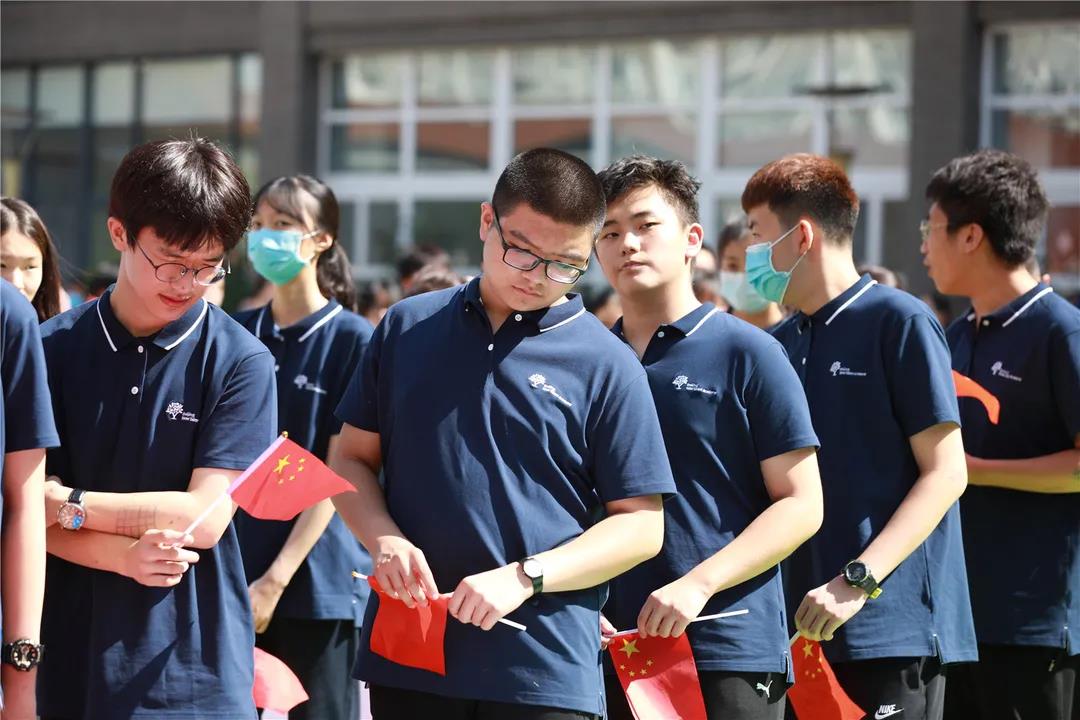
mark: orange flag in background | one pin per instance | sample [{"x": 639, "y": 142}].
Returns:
[
  {"x": 659, "y": 676},
  {"x": 816, "y": 694},
  {"x": 966, "y": 387}
]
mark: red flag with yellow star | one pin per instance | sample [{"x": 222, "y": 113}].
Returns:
[
  {"x": 659, "y": 677},
  {"x": 816, "y": 694},
  {"x": 285, "y": 480}
]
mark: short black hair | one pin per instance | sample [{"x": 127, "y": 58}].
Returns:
[
  {"x": 553, "y": 183},
  {"x": 998, "y": 191},
  {"x": 420, "y": 257},
  {"x": 670, "y": 177},
  {"x": 190, "y": 192},
  {"x": 733, "y": 230}
]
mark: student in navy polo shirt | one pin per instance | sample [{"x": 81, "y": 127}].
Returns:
[
  {"x": 161, "y": 400},
  {"x": 522, "y": 462},
  {"x": 26, "y": 429},
  {"x": 741, "y": 445},
  {"x": 1021, "y": 342},
  {"x": 306, "y": 603},
  {"x": 886, "y": 580}
]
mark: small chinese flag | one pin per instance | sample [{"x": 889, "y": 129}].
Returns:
[
  {"x": 284, "y": 481},
  {"x": 276, "y": 687},
  {"x": 659, "y": 677},
  {"x": 966, "y": 387},
  {"x": 816, "y": 694},
  {"x": 412, "y": 637}
]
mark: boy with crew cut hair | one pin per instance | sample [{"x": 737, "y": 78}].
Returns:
[
  {"x": 1021, "y": 342},
  {"x": 161, "y": 400},
  {"x": 741, "y": 445},
  {"x": 884, "y": 578},
  {"x": 505, "y": 420}
]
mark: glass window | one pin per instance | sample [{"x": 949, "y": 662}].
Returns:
[
  {"x": 1043, "y": 137},
  {"x": 370, "y": 81},
  {"x": 368, "y": 147},
  {"x": 60, "y": 97},
  {"x": 872, "y": 60},
  {"x": 182, "y": 92},
  {"x": 770, "y": 66},
  {"x": 15, "y": 96},
  {"x": 249, "y": 74},
  {"x": 452, "y": 146},
  {"x": 754, "y": 138},
  {"x": 574, "y": 135},
  {"x": 871, "y": 136},
  {"x": 666, "y": 136},
  {"x": 382, "y": 233},
  {"x": 14, "y": 118},
  {"x": 455, "y": 77},
  {"x": 1037, "y": 60},
  {"x": 553, "y": 75},
  {"x": 659, "y": 72},
  {"x": 453, "y": 226},
  {"x": 114, "y": 94}
]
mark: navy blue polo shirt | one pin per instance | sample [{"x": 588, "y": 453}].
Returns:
[
  {"x": 1023, "y": 548},
  {"x": 875, "y": 367},
  {"x": 728, "y": 399},
  {"x": 26, "y": 418},
  {"x": 139, "y": 415},
  {"x": 314, "y": 359},
  {"x": 496, "y": 447}
]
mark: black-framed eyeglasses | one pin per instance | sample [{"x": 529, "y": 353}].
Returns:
[
  {"x": 522, "y": 259},
  {"x": 170, "y": 272}
]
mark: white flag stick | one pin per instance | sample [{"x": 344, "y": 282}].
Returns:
[
  {"x": 234, "y": 484},
  {"x": 714, "y": 616},
  {"x": 504, "y": 621}
]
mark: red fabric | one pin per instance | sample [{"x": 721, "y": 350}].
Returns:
[
  {"x": 659, "y": 677},
  {"x": 412, "y": 637},
  {"x": 966, "y": 387},
  {"x": 287, "y": 482},
  {"x": 816, "y": 694},
  {"x": 276, "y": 687}
]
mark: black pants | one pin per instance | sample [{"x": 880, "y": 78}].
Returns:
[
  {"x": 321, "y": 653},
  {"x": 909, "y": 688},
  {"x": 389, "y": 703},
  {"x": 1015, "y": 682},
  {"x": 727, "y": 695}
]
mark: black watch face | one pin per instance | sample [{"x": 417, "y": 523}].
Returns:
[
  {"x": 856, "y": 572},
  {"x": 25, "y": 655}
]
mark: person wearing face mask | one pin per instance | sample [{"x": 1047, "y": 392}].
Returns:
[
  {"x": 306, "y": 604},
  {"x": 884, "y": 580},
  {"x": 746, "y": 304}
]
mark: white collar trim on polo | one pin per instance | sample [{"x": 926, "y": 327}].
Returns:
[
  {"x": 850, "y": 300},
  {"x": 1029, "y": 303},
  {"x": 329, "y": 316},
  {"x": 170, "y": 346}
]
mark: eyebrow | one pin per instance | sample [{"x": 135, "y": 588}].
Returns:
[
  {"x": 635, "y": 216},
  {"x": 172, "y": 255},
  {"x": 576, "y": 257},
  {"x": 751, "y": 225}
]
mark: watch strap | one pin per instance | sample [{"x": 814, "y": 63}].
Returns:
[
  {"x": 76, "y": 496},
  {"x": 538, "y": 581}
]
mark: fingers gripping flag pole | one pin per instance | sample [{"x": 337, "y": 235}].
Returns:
[{"x": 504, "y": 621}]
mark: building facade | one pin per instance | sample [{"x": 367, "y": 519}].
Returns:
[{"x": 410, "y": 110}]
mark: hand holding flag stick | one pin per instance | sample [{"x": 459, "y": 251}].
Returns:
[
  {"x": 701, "y": 618},
  {"x": 816, "y": 694},
  {"x": 504, "y": 621}
]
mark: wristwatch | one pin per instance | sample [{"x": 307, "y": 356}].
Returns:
[
  {"x": 22, "y": 654},
  {"x": 72, "y": 514},
  {"x": 535, "y": 572},
  {"x": 857, "y": 575}
]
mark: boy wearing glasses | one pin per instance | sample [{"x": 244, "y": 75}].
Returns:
[
  {"x": 522, "y": 462},
  {"x": 161, "y": 400}
]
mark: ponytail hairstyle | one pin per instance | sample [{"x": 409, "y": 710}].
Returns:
[
  {"x": 301, "y": 197},
  {"x": 17, "y": 215}
]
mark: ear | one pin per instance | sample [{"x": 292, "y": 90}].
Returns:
[
  {"x": 695, "y": 236},
  {"x": 807, "y": 236},
  {"x": 970, "y": 237},
  {"x": 117, "y": 234},
  {"x": 487, "y": 219},
  {"x": 322, "y": 243}
]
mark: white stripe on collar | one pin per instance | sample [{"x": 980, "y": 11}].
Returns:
[
  {"x": 850, "y": 300},
  {"x": 702, "y": 321},
  {"x": 258, "y": 323},
  {"x": 97, "y": 306},
  {"x": 1028, "y": 304},
  {"x": 570, "y": 319},
  {"x": 319, "y": 324},
  {"x": 182, "y": 338}
]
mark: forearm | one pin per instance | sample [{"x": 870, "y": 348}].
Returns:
[
  {"x": 363, "y": 511},
  {"x": 95, "y": 550},
  {"x": 22, "y": 544},
  {"x": 771, "y": 537},
  {"x": 607, "y": 549},
  {"x": 1055, "y": 473},
  {"x": 309, "y": 527}
]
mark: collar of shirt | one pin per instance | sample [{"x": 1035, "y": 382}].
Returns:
[
  {"x": 830, "y": 310},
  {"x": 117, "y": 336},
  {"x": 267, "y": 329},
  {"x": 685, "y": 326},
  {"x": 545, "y": 319},
  {"x": 1006, "y": 315}
]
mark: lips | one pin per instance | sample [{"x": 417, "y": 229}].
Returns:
[
  {"x": 631, "y": 265},
  {"x": 524, "y": 291},
  {"x": 173, "y": 302}
]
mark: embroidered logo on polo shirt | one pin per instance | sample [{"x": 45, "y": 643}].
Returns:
[
  {"x": 302, "y": 383},
  {"x": 175, "y": 411},
  {"x": 681, "y": 382},
  {"x": 540, "y": 382},
  {"x": 837, "y": 369},
  {"x": 998, "y": 371}
]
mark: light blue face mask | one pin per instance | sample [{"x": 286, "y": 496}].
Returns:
[
  {"x": 763, "y": 276},
  {"x": 740, "y": 294},
  {"x": 275, "y": 254}
]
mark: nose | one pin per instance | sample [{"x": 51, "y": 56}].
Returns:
[
  {"x": 18, "y": 279},
  {"x": 922, "y": 246},
  {"x": 631, "y": 243}
]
